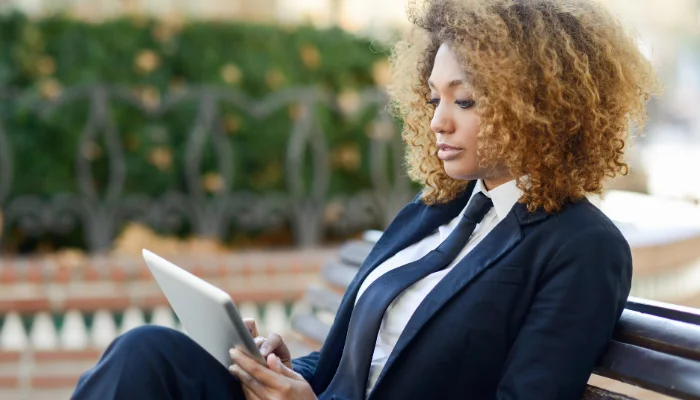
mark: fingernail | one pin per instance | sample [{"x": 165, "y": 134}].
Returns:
[
  {"x": 263, "y": 350},
  {"x": 233, "y": 353}
]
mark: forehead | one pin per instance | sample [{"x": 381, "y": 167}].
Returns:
[{"x": 446, "y": 67}]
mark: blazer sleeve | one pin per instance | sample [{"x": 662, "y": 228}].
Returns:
[
  {"x": 579, "y": 299},
  {"x": 306, "y": 366}
]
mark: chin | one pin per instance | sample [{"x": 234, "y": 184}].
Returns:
[{"x": 461, "y": 174}]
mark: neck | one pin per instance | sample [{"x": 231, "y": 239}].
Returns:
[{"x": 495, "y": 182}]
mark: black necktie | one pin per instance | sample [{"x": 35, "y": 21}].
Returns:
[{"x": 350, "y": 380}]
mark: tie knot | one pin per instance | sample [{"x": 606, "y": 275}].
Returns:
[{"x": 478, "y": 206}]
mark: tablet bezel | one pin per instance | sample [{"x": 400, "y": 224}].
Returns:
[{"x": 171, "y": 280}]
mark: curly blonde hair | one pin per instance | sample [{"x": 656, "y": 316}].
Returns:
[{"x": 559, "y": 85}]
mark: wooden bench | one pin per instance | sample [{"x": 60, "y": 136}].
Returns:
[{"x": 656, "y": 346}]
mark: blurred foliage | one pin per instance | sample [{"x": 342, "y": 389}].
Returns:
[
  {"x": 43, "y": 59},
  {"x": 152, "y": 58}
]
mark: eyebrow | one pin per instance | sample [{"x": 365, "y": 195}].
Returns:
[{"x": 452, "y": 83}]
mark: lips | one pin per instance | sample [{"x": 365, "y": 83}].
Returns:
[
  {"x": 443, "y": 146},
  {"x": 447, "y": 152}
]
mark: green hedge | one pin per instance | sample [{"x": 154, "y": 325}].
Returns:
[{"x": 153, "y": 58}]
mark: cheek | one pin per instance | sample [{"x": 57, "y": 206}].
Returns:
[
  {"x": 466, "y": 167},
  {"x": 469, "y": 130}
]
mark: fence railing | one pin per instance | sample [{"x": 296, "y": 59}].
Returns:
[
  {"x": 68, "y": 330},
  {"x": 99, "y": 213}
]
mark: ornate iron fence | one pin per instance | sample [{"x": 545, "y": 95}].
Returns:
[{"x": 100, "y": 213}]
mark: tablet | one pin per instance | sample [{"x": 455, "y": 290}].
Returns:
[{"x": 206, "y": 312}]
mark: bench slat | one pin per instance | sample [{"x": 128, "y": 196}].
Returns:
[
  {"x": 659, "y": 334},
  {"x": 338, "y": 273},
  {"x": 665, "y": 310},
  {"x": 321, "y": 298},
  {"x": 355, "y": 252},
  {"x": 662, "y": 373},
  {"x": 372, "y": 236},
  {"x": 596, "y": 393},
  {"x": 311, "y": 327}
]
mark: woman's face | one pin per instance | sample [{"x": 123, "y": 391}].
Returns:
[{"x": 455, "y": 122}]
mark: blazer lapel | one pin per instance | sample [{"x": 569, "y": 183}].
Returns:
[
  {"x": 414, "y": 222},
  {"x": 498, "y": 242}
]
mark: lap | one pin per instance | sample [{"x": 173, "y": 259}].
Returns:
[{"x": 157, "y": 362}]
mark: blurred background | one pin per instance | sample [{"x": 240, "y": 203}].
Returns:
[{"x": 247, "y": 140}]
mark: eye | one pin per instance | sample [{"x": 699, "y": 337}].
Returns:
[
  {"x": 465, "y": 104},
  {"x": 434, "y": 102}
]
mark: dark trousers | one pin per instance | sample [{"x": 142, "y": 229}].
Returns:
[{"x": 152, "y": 362}]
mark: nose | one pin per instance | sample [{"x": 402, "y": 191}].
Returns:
[{"x": 442, "y": 121}]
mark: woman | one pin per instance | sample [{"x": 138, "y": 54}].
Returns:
[{"x": 500, "y": 280}]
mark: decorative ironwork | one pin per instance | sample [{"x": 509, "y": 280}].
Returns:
[{"x": 305, "y": 204}]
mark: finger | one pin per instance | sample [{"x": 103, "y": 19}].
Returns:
[
  {"x": 271, "y": 344},
  {"x": 245, "y": 352},
  {"x": 252, "y": 326},
  {"x": 247, "y": 381},
  {"x": 249, "y": 394},
  {"x": 259, "y": 341},
  {"x": 278, "y": 366},
  {"x": 265, "y": 376}
]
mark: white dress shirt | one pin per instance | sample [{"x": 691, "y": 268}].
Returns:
[{"x": 405, "y": 304}]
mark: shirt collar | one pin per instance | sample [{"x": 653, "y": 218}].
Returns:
[{"x": 504, "y": 196}]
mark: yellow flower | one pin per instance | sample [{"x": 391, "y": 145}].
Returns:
[
  {"x": 161, "y": 157},
  {"x": 296, "y": 111},
  {"x": 381, "y": 72},
  {"x": 232, "y": 124},
  {"x": 166, "y": 30},
  {"x": 347, "y": 158},
  {"x": 146, "y": 61},
  {"x": 212, "y": 182},
  {"x": 381, "y": 131},
  {"x": 333, "y": 212},
  {"x": 46, "y": 65},
  {"x": 91, "y": 151},
  {"x": 349, "y": 101},
  {"x": 269, "y": 176},
  {"x": 231, "y": 74},
  {"x": 50, "y": 88},
  {"x": 149, "y": 96},
  {"x": 310, "y": 56},
  {"x": 275, "y": 79},
  {"x": 137, "y": 19}
]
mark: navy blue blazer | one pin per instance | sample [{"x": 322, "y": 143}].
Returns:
[{"x": 525, "y": 315}]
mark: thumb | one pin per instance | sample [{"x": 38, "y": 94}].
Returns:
[{"x": 280, "y": 368}]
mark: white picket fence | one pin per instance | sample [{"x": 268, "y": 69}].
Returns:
[{"x": 74, "y": 333}]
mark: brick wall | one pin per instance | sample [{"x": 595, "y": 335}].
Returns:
[{"x": 56, "y": 320}]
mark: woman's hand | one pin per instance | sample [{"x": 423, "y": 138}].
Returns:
[
  {"x": 273, "y": 344},
  {"x": 277, "y": 382}
]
